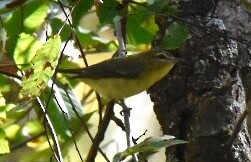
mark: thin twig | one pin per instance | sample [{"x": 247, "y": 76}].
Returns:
[
  {"x": 101, "y": 132},
  {"x": 53, "y": 132},
  {"x": 100, "y": 108},
  {"x": 69, "y": 127},
  {"x": 48, "y": 140},
  {"x": 119, "y": 34},
  {"x": 126, "y": 114},
  {"x": 134, "y": 140},
  {"x": 46, "y": 108},
  {"x": 81, "y": 51},
  {"x": 85, "y": 127},
  {"x": 118, "y": 122},
  {"x": 120, "y": 29},
  {"x": 10, "y": 74},
  {"x": 74, "y": 32},
  {"x": 66, "y": 20},
  {"x": 62, "y": 4},
  {"x": 55, "y": 74}
]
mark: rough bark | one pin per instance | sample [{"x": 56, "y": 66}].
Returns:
[{"x": 203, "y": 97}]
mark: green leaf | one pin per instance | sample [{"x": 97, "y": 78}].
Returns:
[
  {"x": 33, "y": 127},
  {"x": 27, "y": 19},
  {"x": 61, "y": 104},
  {"x": 56, "y": 25},
  {"x": 89, "y": 39},
  {"x": 150, "y": 145},
  {"x": 2, "y": 100},
  {"x": 81, "y": 8},
  {"x": 176, "y": 35},
  {"x": 17, "y": 112},
  {"x": 141, "y": 28},
  {"x": 13, "y": 132},
  {"x": 107, "y": 11},
  {"x": 7, "y": 84},
  {"x": 4, "y": 146},
  {"x": 42, "y": 67},
  {"x": 4, "y": 143},
  {"x": 26, "y": 49},
  {"x": 86, "y": 117},
  {"x": 43, "y": 155},
  {"x": 2, "y": 109}
]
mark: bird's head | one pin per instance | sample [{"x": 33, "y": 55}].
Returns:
[{"x": 159, "y": 58}]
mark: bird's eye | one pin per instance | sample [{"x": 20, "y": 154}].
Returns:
[{"x": 162, "y": 57}]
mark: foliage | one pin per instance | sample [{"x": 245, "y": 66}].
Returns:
[
  {"x": 32, "y": 38},
  {"x": 41, "y": 67},
  {"x": 148, "y": 147}
]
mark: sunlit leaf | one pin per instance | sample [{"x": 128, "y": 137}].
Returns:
[
  {"x": 4, "y": 146},
  {"x": 26, "y": 49},
  {"x": 42, "y": 67},
  {"x": 176, "y": 35},
  {"x": 149, "y": 145},
  {"x": 12, "y": 131},
  {"x": 17, "y": 134},
  {"x": 2, "y": 116},
  {"x": 33, "y": 127},
  {"x": 17, "y": 112},
  {"x": 141, "y": 28},
  {"x": 2, "y": 100},
  {"x": 2, "y": 109},
  {"x": 27, "y": 19},
  {"x": 4, "y": 143}
]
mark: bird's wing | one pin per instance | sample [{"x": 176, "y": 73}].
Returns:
[{"x": 118, "y": 68}]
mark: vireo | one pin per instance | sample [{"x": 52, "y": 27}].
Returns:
[{"x": 123, "y": 77}]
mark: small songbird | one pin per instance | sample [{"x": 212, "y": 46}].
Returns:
[{"x": 119, "y": 78}]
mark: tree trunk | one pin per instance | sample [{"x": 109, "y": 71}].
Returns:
[{"x": 203, "y": 97}]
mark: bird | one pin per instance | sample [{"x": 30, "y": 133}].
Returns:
[{"x": 119, "y": 78}]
